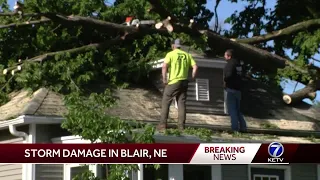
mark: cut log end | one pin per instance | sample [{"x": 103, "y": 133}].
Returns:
[
  {"x": 159, "y": 25},
  {"x": 169, "y": 28},
  {"x": 308, "y": 92},
  {"x": 287, "y": 99}
]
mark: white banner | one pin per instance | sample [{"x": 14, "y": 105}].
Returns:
[{"x": 223, "y": 153}]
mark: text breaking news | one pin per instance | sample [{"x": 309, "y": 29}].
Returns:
[{"x": 204, "y": 153}]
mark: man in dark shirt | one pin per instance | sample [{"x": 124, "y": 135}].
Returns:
[{"x": 232, "y": 85}]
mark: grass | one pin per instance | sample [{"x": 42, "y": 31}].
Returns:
[
  {"x": 241, "y": 135},
  {"x": 268, "y": 125},
  {"x": 313, "y": 139},
  {"x": 208, "y": 135}
]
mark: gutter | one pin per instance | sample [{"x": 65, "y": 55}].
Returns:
[
  {"x": 26, "y": 119},
  {"x": 13, "y": 130}
]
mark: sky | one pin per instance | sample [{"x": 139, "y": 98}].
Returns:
[{"x": 225, "y": 9}]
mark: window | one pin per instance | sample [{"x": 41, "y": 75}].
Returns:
[
  {"x": 265, "y": 177},
  {"x": 269, "y": 172},
  {"x": 197, "y": 172},
  {"x": 72, "y": 170},
  {"x": 202, "y": 90},
  {"x": 150, "y": 173}
]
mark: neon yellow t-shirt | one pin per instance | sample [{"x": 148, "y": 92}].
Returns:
[{"x": 179, "y": 63}]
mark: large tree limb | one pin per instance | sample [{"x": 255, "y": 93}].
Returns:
[
  {"x": 298, "y": 27},
  {"x": 16, "y": 14},
  {"x": 246, "y": 52},
  {"x": 309, "y": 91},
  {"x": 98, "y": 46},
  {"x": 72, "y": 52},
  {"x": 27, "y": 23}
]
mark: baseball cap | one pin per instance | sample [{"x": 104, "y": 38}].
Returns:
[{"x": 176, "y": 42}]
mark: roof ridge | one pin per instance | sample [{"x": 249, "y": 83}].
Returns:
[{"x": 36, "y": 101}]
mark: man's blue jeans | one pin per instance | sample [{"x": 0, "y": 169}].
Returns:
[{"x": 233, "y": 98}]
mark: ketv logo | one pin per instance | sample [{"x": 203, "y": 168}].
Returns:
[{"x": 275, "y": 150}]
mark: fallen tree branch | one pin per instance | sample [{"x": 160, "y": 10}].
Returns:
[
  {"x": 27, "y": 23},
  {"x": 246, "y": 52},
  {"x": 71, "y": 52},
  {"x": 87, "y": 21},
  {"x": 309, "y": 91},
  {"x": 301, "y": 26},
  {"x": 17, "y": 14},
  {"x": 100, "y": 46},
  {"x": 251, "y": 54}
]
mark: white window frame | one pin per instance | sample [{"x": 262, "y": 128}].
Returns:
[
  {"x": 286, "y": 168},
  {"x": 265, "y": 176},
  {"x": 197, "y": 91},
  {"x": 67, "y": 170}
]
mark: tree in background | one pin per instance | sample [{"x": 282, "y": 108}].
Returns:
[
  {"x": 292, "y": 25},
  {"x": 81, "y": 49}
]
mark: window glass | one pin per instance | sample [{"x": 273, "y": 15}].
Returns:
[
  {"x": 196, "y": 172},
  {"x": 150, "y": 173}
]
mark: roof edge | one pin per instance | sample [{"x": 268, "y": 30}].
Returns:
[{"x": 27, "y": 119}]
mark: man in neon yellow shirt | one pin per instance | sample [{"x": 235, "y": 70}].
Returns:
[{"x": 177, "y": 63}]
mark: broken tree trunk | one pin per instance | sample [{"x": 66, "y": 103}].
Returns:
[{"x": 309, "y": 91}]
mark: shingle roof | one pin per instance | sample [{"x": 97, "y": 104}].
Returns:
[
  {"x": 261, "y": 105},
  {"x": 141, "y": 104},
  {"x": 41, "y": 102}
]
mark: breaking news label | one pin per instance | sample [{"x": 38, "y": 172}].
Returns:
[{"x": 204, "y": 153}]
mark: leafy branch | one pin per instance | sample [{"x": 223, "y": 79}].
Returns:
[{"x": 290, "y": 30}]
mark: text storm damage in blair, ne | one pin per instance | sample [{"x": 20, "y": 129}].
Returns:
[
  {"x": 95, "y": 153},
  {"x": 222, "y": 153}
]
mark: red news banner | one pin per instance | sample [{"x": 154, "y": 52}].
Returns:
[{"x": 204, "y": 153}]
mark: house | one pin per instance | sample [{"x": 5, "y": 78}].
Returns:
[{"x": 36, "y": 118}]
